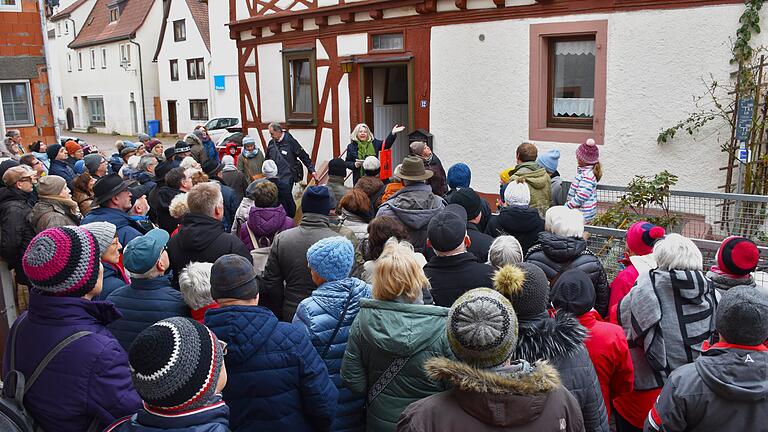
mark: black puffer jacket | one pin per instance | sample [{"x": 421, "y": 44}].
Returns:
[
  {"x": 160, "y": 200},
  {"x": 521, "y": 222},
  {"x": 559, "y": 340},
  {"x": 16, "y": 231},
  {"x": 554, "y": 254}
]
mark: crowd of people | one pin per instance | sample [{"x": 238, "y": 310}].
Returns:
[{"x": 183, "y": 289}]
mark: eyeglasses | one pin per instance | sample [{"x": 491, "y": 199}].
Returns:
[
  {"x": 223, "y": 346},
  {"x": 25, "y": 179}
]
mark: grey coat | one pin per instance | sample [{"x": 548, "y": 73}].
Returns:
[
  {"x": 414, "y": 206},
  {"x": 49, "y": 213}
]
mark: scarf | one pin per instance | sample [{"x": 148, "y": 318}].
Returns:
[
  {"x": 73, "y": 207},
  {"x": 250, "y": 154},
  {"x": 365, "y": 149}
]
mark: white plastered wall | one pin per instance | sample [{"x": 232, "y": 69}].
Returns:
[{"x": 224, "y": 103}]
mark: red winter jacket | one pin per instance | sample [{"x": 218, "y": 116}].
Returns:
[
  {"x": 622, "y": 283},
  {"x": 609, "y": 352}
]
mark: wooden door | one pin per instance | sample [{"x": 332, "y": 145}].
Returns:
[
  {"x": 158, "y": 111},
  {"x": 172, "y": 117}
]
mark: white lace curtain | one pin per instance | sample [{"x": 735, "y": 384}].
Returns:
[
  {"x": 575, "y": 47},
  {"x": 584, "y": 107}
]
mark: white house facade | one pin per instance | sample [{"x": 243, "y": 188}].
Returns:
[{"x": 225, "y": 100}]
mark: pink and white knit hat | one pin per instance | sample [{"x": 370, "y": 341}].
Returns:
[
  {"x": 588, "y": 152},
  {"x": 62, "y": 261}
]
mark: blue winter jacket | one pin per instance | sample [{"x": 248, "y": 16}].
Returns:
[
  {"x": 143, "y": 303},
  {"x": 211, "y": 418},
  {"x": 276, "y": 379},
  {"x": 111, "y": 281},
  {"x": 319, "y": 314},
  {"x": 210, "y": 150},
  {"x": 231, "y": 203},
  {"x": 63, "y": 170},
  {"x": 126, "y": 227}
]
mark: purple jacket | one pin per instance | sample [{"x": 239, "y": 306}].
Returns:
[
  {"x": 89, "y": 378},
  {"x": 265, "y": 223}
]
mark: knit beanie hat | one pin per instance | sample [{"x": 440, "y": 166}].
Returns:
[
  {"x": 588, "y": 152},
  {"x": 269, "y": 168},
  {"x": 228, "y": 160},
  {"x": 52, "y": 151},
  {"x": 175, "y": 364},
  {"x": 549, "y": 160},
  {"x": 371, "y": 163},
  {"x": 574, "y": 292},
  {"x": 742, "y": 315},
  {"x": 331, "y": 258},
  {"x": 641, "y": 237},
  {"x": 517, "y": 193},
  {"x": 142, "y": 137},
  {"x": 336, "y": 167},
  {"x": 233, "y": 276},
  {"x": 526, "y": 285},
  {"x": 50, "y": 185},
  {"x": 482, "y": 328},
  {"x": 92, "y": 162},
  {"x": 417, "y": 147},
  {"x": 469, "y": 199},
  {"x": 104, "y": 232},
  {"x": 459, "y": 175},
  {"x": 737, "y": 256},
  {"x": 72, "y": 147},
  {"x": 316, "y": 199},
  {"x": 79, "y": 167},
  {"x": 62, "y": 261}
]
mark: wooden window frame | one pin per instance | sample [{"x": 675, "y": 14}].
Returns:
[
  {"x": 197, "y": 101},
  {"x": 30, "y": 103},
  {"x": 114, "y": 14},
  {"x": 292, "y": 117},
  {"x": 385, "y": 32},
  {"x": 199, "y": 69},
  {"x": 177, "y": 37},
  {"x": 541, "y": 128},
  {"x": 559, "y": 122},
  {"x": 170, "y": 65}
]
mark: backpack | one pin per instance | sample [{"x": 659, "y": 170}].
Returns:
[
  {"x": 13, "y": 416},
  {"x": 259, "y": 255}
]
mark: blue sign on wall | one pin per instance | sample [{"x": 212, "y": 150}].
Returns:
[
  {"x": 218, "y": 82},
  {"x": 744, "y": 118}
]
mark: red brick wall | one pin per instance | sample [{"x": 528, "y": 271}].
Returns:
[{"x": 22, "y": 36}]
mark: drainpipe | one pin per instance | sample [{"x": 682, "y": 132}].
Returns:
[
  {"x": 141, "y": 80},
  {"x": 54, "y": 106}
]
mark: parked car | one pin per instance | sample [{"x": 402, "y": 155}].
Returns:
[
  {"x": 219, "y": 126},
  {"x": 230, "y": 137}
]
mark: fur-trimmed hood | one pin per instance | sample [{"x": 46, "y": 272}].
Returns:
[
  {"x": 547, "y": 338},
  {"x": 543, "y": 377}
]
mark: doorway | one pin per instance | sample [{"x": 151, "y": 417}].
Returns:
[
  {"x": 70, "y": 119},
  {"x": 172, "y": 117},
  {"x": 387, "y": 102}
]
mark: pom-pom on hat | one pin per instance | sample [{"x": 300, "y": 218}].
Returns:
[
  {"x": 742, "y": 315},
  {"x": 737, "y": 256},
  {"x": 526, "y": 286},
  {"x": 175, "y": 364},
  {"x": 331, "y": 258},
  {"x": 482, "y": 328},
  {"x": 641, "y": 237},
  {"x": 588, "y": 152},
  {"x": 459, "y": 175},
  {"x": 62, "y": 261}
]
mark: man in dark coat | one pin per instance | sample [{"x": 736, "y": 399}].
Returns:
[
  {"x": 57, "y": 154},
  {"x": 287, "y": 152},
  {"x": 723, "y": 389},
  {"x": 150, "y": 297},
  {"x": 113, "y": 198},
  {"x": 176, "y": 182},
  {"x": 517, "y": 218},
  {"x": 201, "y": 237},
  {"x": 432, "y": 163},
  {"x": 558, "y": 340},
  {"x": 453, "y": 271},
  {"x": 16, "y": 203},
  {"x": 473, "y": 204},
  {"x": 277, "y": 380}
]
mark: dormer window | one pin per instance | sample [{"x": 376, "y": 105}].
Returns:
[{"x": 114, "y": 14}]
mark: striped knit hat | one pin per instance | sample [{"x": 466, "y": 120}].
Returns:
[
  {"x": 63, "y": 261},
  {"x": 482, "y": 328},
  {"x": 175, "y": 364}
]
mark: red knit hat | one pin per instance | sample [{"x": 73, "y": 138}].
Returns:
[
  {"x": 737, "y": 256},
  {"x": 588, "y": 152},
  {"x": 642, "y": 235}
]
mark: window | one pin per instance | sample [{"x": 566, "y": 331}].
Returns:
[
  {"x": 96, "y": 111},
  {"x": 66, "y": 27},
  {"x": 300, "y": 83},
  {"x": 195, "y": 69},
  {"x": 125, "y": 54},
  {"x": 10, "y": 5},
  {"x": 198, "y": 109},
  {"x": 58, "y": 29},
  {"x": 79, "y": 61},
  {"x": 179, "y": 31},
  {"x": 387, "y": 42},
  {"x": 174, "y": 70},
  {"x": 60, "y": 102},
  {"x": 114, "y": 14},
  {"x": 69, "y": 62},
  {"x": 103, "y": 58},
  {"x": 17, "y": 103},
  {"x": 93, "y": 58},
  {"x": 567, "y": 81}
]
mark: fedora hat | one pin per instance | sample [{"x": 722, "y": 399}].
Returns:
[
  {"x": 107, "y": 187},
  {"x": 413, "y": 169}
]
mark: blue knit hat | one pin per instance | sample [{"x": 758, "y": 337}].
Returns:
[
  {"x": 459, "y": 175},
  {"x": 549, "y": 160},
  {"x": 316, "y": 199},
  {"x": 331, "y": 258},
  {"x": 79, "y": 167}
]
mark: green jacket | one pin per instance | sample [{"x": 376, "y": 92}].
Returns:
[
  {"x": 538, "y": 182},
  {"x": 382, "y": 332}
]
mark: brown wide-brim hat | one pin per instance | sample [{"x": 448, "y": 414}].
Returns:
[{"x": 413, "y": 169}]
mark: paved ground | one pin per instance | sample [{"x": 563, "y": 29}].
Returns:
[{"x": 106, "y": 143}]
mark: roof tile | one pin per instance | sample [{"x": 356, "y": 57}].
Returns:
[
  {"x": 98, "y": 29},
  {"x": 199, "y": 11}
]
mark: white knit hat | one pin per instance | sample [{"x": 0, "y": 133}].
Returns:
[{"x": 517, "y": 193}]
